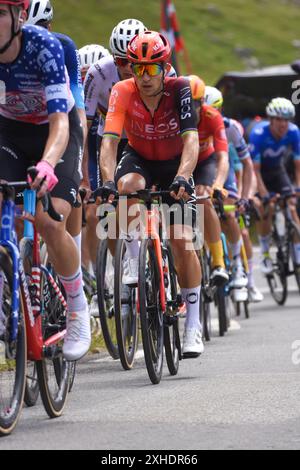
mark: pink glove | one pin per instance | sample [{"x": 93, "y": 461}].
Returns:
[{"x": 46, "y": 170}]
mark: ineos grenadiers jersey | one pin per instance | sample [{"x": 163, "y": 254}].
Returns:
[
  {"x": 100, "y": 79},
  {"x": 270, "y": 152},
  {"x": 36, "y": 84},
  {"x": 72, "y": 62},
  {"x": 154, "y": 137},
  {"x": 235, "y": 137}
]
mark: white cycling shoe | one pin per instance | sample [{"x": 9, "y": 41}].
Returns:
[
  {"x": 254, "y": 295},
  {"x": 78, "y": 337},
  {"x": 192, "y": 343}
]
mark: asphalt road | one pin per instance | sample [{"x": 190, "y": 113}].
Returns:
[{"x": 243, "y": 393}]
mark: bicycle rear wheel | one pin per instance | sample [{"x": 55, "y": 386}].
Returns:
[
  {"x": 105, "y": 289},
  {"x": 152, "y": 324},
  {"x": 221, "y": 306},
  {"x": 53, "y": 371},
  {"x": 205, "y": 314},
  {"x": 125, "y": 312},
  {"x": 277, "y": 281},
  {"x": 12, "y": 353}
]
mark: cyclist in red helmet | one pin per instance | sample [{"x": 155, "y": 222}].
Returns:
[{"x": 159, "y": 119}]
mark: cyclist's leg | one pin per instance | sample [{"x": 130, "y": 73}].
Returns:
[
  {"x": 204, "y": 176},
  {"x": 180, "y": 221},
  {"x": 132, "y": 175},
  {"x": 233, "y": 233},
  {"x": 62, "y": 249}
]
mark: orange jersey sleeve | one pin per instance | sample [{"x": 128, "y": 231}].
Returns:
[
  {"x": 117, "y": 109},
  {"x": 217, "y": 127}
]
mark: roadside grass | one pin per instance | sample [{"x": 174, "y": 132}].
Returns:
[{"x": 216, "y": 32}]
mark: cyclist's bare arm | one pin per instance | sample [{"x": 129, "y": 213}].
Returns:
[
  {"x": 189, "y": 158},
  {"x": 297, "y": 173},
  {"x": 260, "y": 184},
  {"x": 248, "y": 178},
  {"x": 108, "y": 157},
  {"x": 222, "y": 168}
]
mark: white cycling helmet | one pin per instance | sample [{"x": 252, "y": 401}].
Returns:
[
  {"x": 281, "y": 108},
  {"x": 40, "y": 10},
  {"x": 213, "y": 97},
  {"x": 90, "y": 54},
  {"x": 122, "y": 35}
]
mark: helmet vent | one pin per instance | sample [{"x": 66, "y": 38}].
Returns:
[{"x": 144, "y": 49}]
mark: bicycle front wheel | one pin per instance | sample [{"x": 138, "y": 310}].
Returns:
[
  {"x": 105, "y": 290},
  {"x": 125, "y": 312},
  {"x": 152, "y": 324},
  {"x": 12, "y": 353},
  {"x": 171, "y": 319}
]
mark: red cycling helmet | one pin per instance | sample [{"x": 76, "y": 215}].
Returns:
[
  {"x": 149, "y": 47},
  {"x": 16, "y": 3}
]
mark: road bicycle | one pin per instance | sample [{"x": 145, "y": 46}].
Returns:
[
  {"x": 284, "y": 231},
  {"x": 33, "y": 315}
]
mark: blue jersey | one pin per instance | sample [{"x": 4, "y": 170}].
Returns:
[
  {"x": 36, "y": 84},
  {"x": 73, "y": 67},
  {"x": 270, "y": 152}
]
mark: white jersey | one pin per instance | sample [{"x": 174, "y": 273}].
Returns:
[{"x": 100, "y": 79}]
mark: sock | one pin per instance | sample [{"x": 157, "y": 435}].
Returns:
[
  {"x": 191, "y": 298},
  {"x": 132, "y": 245},
  {"x": 77, "y": 240},
  {"x": 94, "y": 268},
  {"x": 264, "y": 244},
  {"x": 236, "y": 252},
  {"x": 73, "y": 286},
  {"x": 216, "y": 250},
  {"x": 297, "y": 252},
  {"x": 250, "y": 273}
]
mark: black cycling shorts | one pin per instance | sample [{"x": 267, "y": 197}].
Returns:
[
  {"x": 22, "y": 145},
  {"x": 277, "y": 180},
  {"x": 161, "y": 174},
  {"x": 206, "y": 171}
]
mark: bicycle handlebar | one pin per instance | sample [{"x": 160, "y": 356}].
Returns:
[{"x": 22, "y": 185}]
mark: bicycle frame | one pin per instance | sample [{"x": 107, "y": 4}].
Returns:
[
  {"x": 36, "y": 347},
  {"x": 152, "y": 232}
]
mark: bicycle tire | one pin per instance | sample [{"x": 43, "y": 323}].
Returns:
[
  {"x": 32, "y": 390},
  {"x": 45, "y": 262},
  {"x": 221, "y": 307},
  {"x": 126, "y": 323},
  {"x": 171, "y": 329},
  {"x": 151, "y": 316},
  {"x": 10, "y": 410},
  {"x": 204, "y": 305},
  {"x": 279, "y": 274},
  {"x": 54, "y": 372},
  {"x": 105, "y": 294}
]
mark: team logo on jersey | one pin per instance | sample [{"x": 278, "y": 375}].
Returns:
[{"x": 186, "y": 103}]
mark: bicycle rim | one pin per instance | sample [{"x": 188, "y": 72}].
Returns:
[
  {"x": 125, "y": 312},
  {"x": 150, "y": 311},
  {"x": 105, "y": 290},
  {"x": 12, "y": 355}
]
